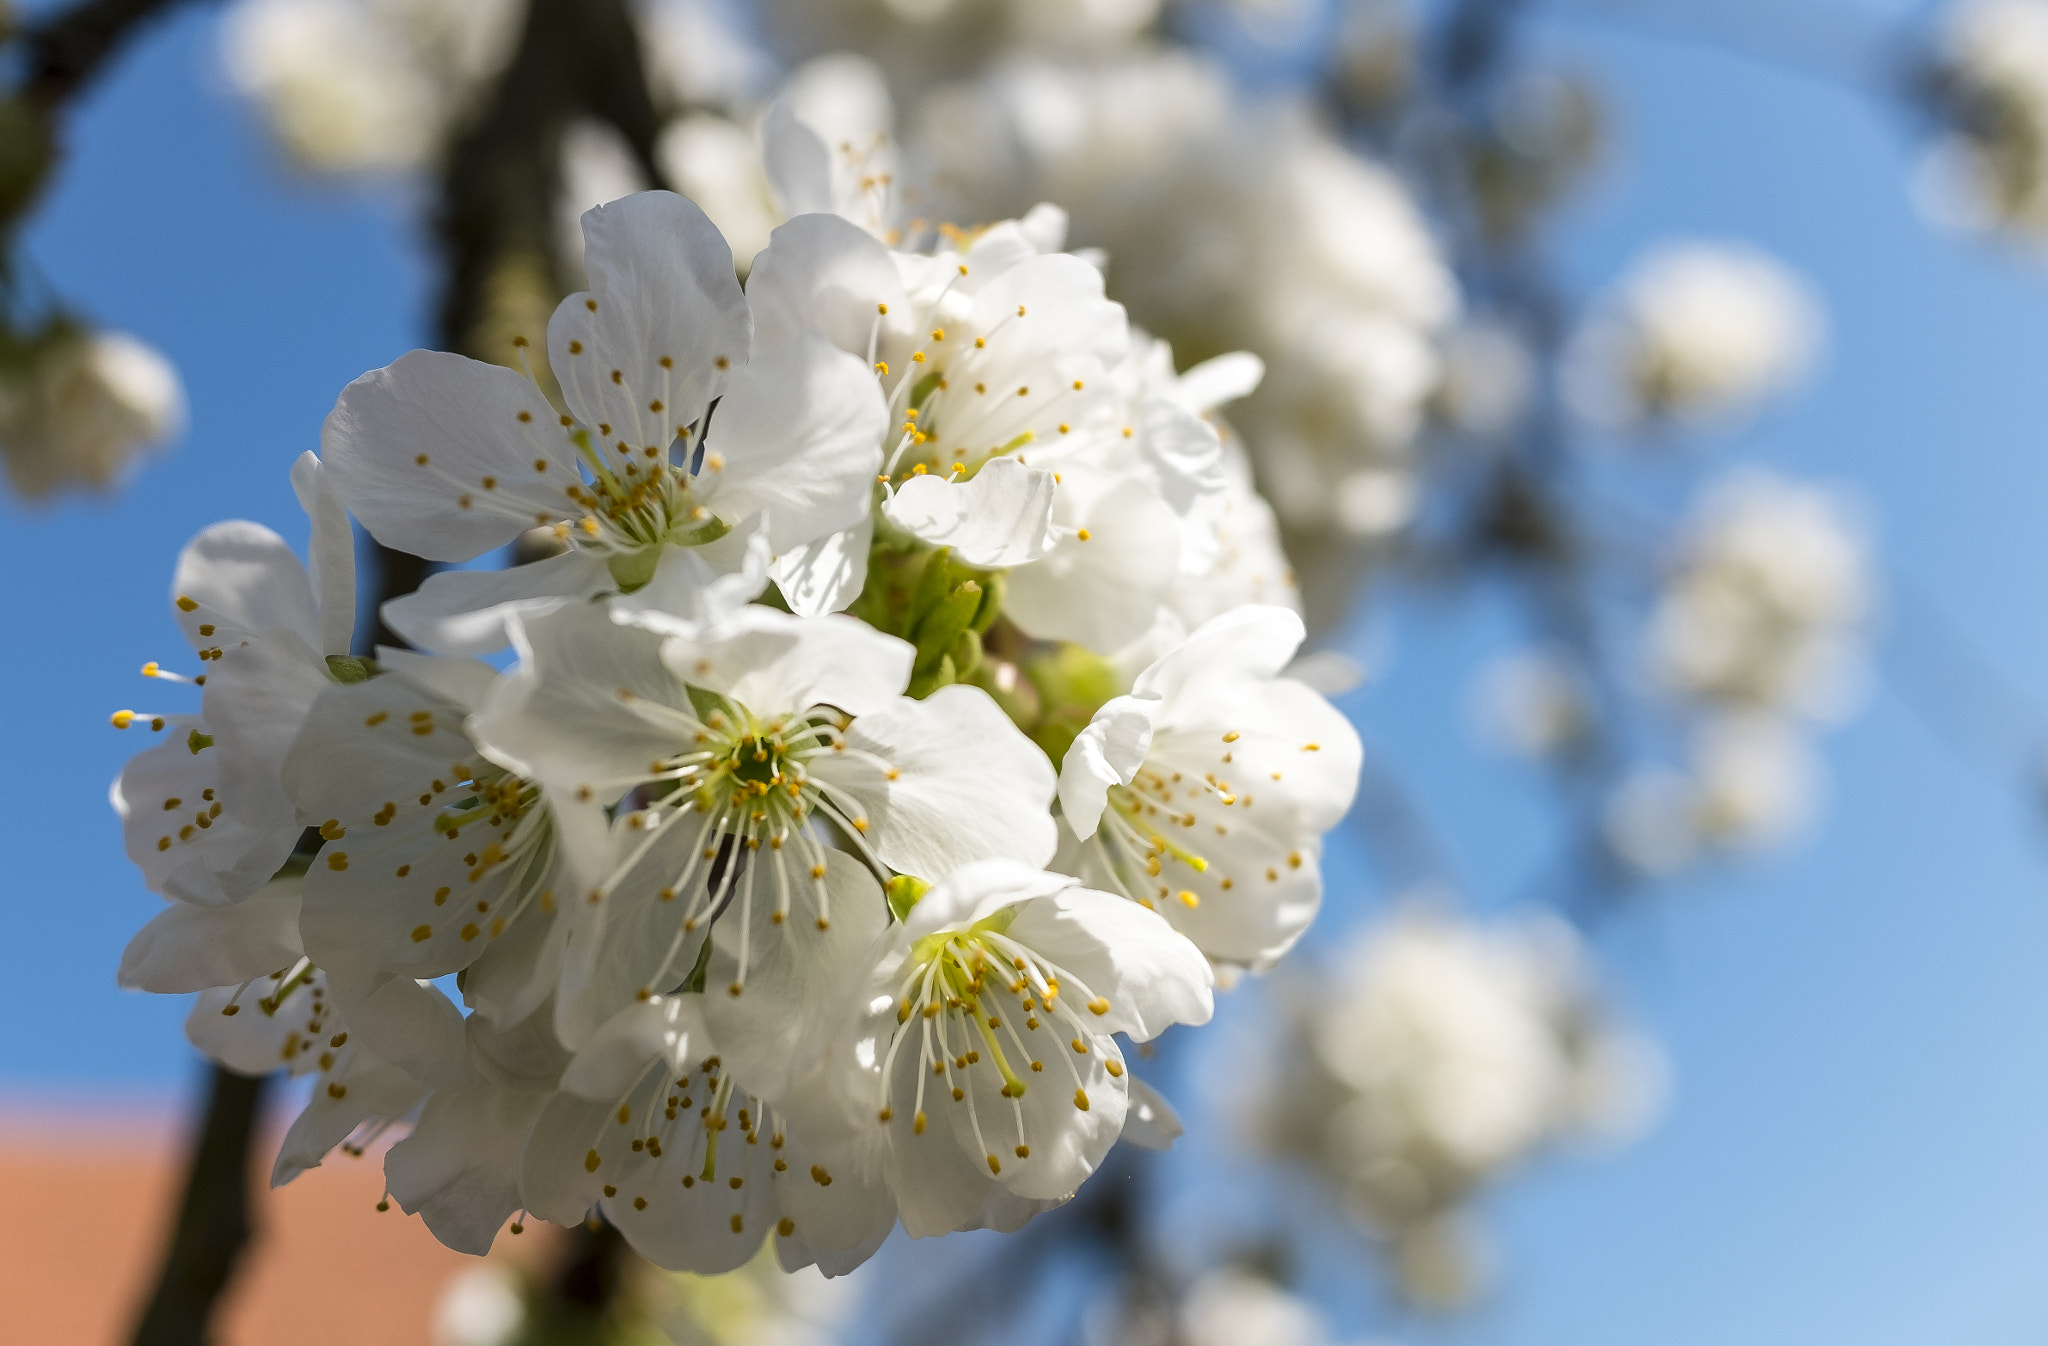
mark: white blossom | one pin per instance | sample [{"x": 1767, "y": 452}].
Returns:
[
  {"x": 1765, "y": 606},
  {"x": 1694, "y": 332},
  {"x": 204, "y": 813},
  {"x": 768, "y": 744},
  {"x": 1204, "y": 793},
  {"x": 83, "y": 408},
  {"x": 366, "y": 86},
  {"x": 1039, "y": 973},
  {"x": 694, "y": 1186},
  {"x": 447, "y": 457}
]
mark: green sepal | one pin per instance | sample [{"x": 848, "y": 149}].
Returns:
[
  {"x": 905, "y": 891},
  {"x": 933, "y": 583},
  {"x": 945, "y": 623},
  {"x": 1072, "y": 684},
  {"x": 633, "y": 569},
  {"x": 993, "y": 588},
  {"x": 349, "y": 668},
  {"x": 923, "y": 685},
  {"x": 965, "y": 655},
  {"x": 710, "y": 528}
]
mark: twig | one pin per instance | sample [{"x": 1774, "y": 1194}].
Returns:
[
  {"x": 214, "y": 1223},
  {"x": 66, "y": 51}
]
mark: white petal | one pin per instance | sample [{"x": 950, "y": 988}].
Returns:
[
  {"x": 1183, "y": 453},
  {"x": 773, "y": 663},
  {"x": 333, "y": 553},
  {"x": 522, "y": 1055},
  {"x": 699, "y": 589},
  {"x": 1151, "y": 1123},
  {"x": 1108, "y": 752},
  {"x": 669, "y": 1028},
  {"x": 514, "y": 979},
  {"x": 827, "y": 575},
  {"x": 459, "y": 1169},
  {"x": 190, "y": 948},
  {"x": 464, "y": 611},
  {"x": 798, "y": 980},
  {"x": 167, "y": 796},
  {"x": 631, "y": 942},
  {"x": 1254, "y": 640},
  {"x": 797, "y": 161},
  {"x": 1224, "y": 378},
  {"x": 238, "y": 1027},
  {"x": 552, "y": 1179},
  {"x": 238, "y": 580},
  {"x": 974, "y": 891},
  {"x": 412, "y": 1025},
  {"x": 946, "y": 781},
  {"x": 1062, "y": 1141},
  {"x": 823, "y": 274},
  {"x": 663, "y": 324},
  {"x": 371, "y": 1089},
  {"x": 462, "y": 683},
  {"x": 1001, "y": 516},
  {"x": 938, "y": 1185},
  {"x": 464, "y": 418},
  {"x": 1149, "y": 973},
  {"x": 797, "y": 438},
  {"x": 591, "y": 703},
  {"x": 257, "y": 697},
  {"x": 1102, "y": 593},
  {"x": 1294, "y": 749}
]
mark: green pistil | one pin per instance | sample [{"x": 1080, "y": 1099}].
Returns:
[
  {"x": 270, "y": 1003},
  {"x": 1012, "y": 1086},
  {"x": 1129, "y": 809}
]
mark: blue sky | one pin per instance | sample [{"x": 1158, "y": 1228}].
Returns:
[{"x": 1856, "y": 1149}]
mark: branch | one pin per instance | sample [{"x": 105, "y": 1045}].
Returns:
[
  {"x": 214, "y": 1224},
  {"x": 66, "y": 51}
]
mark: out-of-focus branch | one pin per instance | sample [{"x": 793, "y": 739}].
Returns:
[
  {"x": 64, "y": 52},
  {"x": 495, "y": 222},
  {"x": 575, "y": 58},
  {"x": 54, "y": 60},
  {"x": 213, "y": 1224}
]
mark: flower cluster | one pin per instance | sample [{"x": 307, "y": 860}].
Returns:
[{"x": 887, "y": 739}]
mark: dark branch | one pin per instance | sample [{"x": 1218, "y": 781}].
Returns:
[
  {"x": 214, "y": 1224},
  {"x": 64, "y": 52}
]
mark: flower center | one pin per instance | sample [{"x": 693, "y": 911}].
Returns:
[
  {"x": 969, "y": 991},
  {"x": 684, "y": 1122}
]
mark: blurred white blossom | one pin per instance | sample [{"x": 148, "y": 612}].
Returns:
[
  {"x": 1695, "y": 331},
  {"x": 1228, "y": 1307},
  {"x": 1535, "y": 704},
  {"x": 1766, "y": 605},
  {"x": 366, "y": 86},
  {"x": 81, "y": 410},
  {"x": 1447, "y": 1051},
  {"x": 481, "y": 1306},
  {"x": 1989, "y": 75}
]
